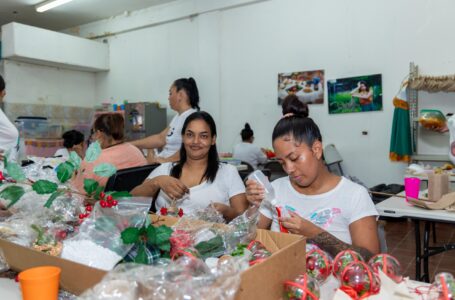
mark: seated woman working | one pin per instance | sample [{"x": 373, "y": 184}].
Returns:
[
  {"x": 108, "y": 130},
  {"x": 73, "y": 140},
  {"x": 332, "y": 211},
  {"x": 247, "y": 151},
  {"x": 198, "y": 177}
]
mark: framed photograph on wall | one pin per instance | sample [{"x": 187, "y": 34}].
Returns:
[
  {"x": 355, "y": 94},
  {"x": 308, "y": 86}
]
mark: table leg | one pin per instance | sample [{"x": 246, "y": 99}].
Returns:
[
  {"x": 426, "y": 242},
  {"x": 418, "y": 249}
]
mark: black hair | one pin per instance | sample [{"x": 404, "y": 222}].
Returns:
[
  {"x": 246, "y": 133},
  {"x": 72, "y": 138},
  {"x": 2, "y": 83},
  {"x": 299, "y": 126},
  {"x": 367, "y": 86},
  {"x": 190, "y": 87},
  {"x": 292, "y": 103},
  {"x": 213, "y": 161}
]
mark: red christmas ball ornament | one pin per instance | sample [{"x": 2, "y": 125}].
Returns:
[
  {"x": 109, "y": 198},
  {"x": 1, "y": 176},
  {"x": 343, "y": 259},
  {"x": 103, "y": 204},
  {"x": 81, "y": 216},
  {"x": 361, "y": 278},
  {"x": 102, "y": 195},
  {"x": 114, "y": 202},
  {"x": 388, "y": 264},
  {"x": 180, "y": 213},
  {"x": 88, "y": 208},
  {"x": 319, "y": 265},
  {"x": 303, "y": 287}
]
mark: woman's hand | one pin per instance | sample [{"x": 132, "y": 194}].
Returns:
[
  {"x": 173, "y": 187},
  {"x": 221, "y": 208},
  {"x": 298, "y": 225},
  {"x": 254, "y": 192}
]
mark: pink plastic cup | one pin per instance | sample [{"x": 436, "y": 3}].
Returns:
[{"x": 411, "y": 187}]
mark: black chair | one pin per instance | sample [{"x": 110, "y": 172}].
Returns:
[
  {"x": 128, "y": 179},
  {"x": 276, "y": 170},
  {"x": 244, "y": 173}
]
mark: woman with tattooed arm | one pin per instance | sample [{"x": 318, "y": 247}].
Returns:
[{"x": 331, "y": 211}]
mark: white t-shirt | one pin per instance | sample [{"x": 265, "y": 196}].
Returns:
[
  {"x": 226, "y": 185},
  {"x": 8, "y": 133},
  {"x": 333, "y": 211},
  {"x": 174, "y": 135},
  {"x": 249, "y": 153},
  {"x": 63, "y": 152}
]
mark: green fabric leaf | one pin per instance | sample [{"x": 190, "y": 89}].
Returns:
[
  {"x": 93, "y": 152},
  {"x": 151, "y": 234},
  {"x": 12, "y": 193},
  {"x": 130, "y": 235},
  {"x": 98, "y": 191},
  {"x": 75, "y": 159},
  {"x": 5, "y": 159},
  {"x": 163, "y": 233},
  {"x": 90, "y": 185},
  {"x": 15, "y": 171},
  {"x": 44, "y": 187},
  {"x": 52, "y": 198},
  {"x": 65, "y": 171},
  {"x": 141, "y": 257},
  {"x": 105, "y": 170},
  {"x": 211, "y": 247},
  {"x": 122, "y": 194}
]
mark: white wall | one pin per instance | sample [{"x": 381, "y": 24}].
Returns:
[
  {"x": 34, "y": 84},
  {"x": 236, "y": 53}
]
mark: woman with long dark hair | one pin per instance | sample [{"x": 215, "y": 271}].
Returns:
[
  {"x": 184, "y": 99},
  {"x": 332, "y": 211},
  {"x": 198, "y": 179}
]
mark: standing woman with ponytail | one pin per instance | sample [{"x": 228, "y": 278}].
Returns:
[{"x": 184, "y": 99}]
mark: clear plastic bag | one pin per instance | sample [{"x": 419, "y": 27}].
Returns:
[
  {"x": 432, "y": 119},
  {"x": 185, "y": 278},
  {"x": 98, "y": 243}
]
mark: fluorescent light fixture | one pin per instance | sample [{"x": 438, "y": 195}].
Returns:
[{"x": 50, "y": 4}]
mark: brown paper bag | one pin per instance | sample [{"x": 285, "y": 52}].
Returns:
[
  {"x": 438, "y": 186},
  {"x": 443, "y": 203}
]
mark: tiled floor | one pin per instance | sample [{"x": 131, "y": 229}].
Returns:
[{"x": 401, "y": 244}]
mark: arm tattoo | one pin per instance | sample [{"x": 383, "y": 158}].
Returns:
[{"x": 333, "y": 246}]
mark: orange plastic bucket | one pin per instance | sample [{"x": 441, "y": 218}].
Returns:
[{"x": 40, "y": 283}]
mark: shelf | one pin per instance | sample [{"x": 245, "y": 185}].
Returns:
[{"x": 430, "y": 157}]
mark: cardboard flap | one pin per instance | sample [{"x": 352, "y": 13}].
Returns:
[
  {"x": 446, "y": 201},
  {"x": 20, "y": 258},
  {"x": 274, "y": 241}
]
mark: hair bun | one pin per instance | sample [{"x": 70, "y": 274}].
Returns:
[
  {"x": 247, "y": 126},
  {"x": 292, "y": 105}
]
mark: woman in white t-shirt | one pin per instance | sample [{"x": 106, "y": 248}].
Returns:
[
  {"x": 8, "y": 132},
  {"x": 184, "y": 99},
  {"x": 248, "y": 152},
  {"x": 198, "y": 179},
  {"x": 332, "y": 211}
]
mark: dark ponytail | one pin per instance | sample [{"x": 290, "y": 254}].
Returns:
[
  {"x": 292, "y": 104},
  {"x": 190, "y": 88},
  {"x": 246, "y": 133},
  {"x": 296, "y": 123}
]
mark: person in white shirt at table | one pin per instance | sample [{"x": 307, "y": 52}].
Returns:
[
  {"x": 184, "y": 99},
  {"x": 9, "y": 135},
  {"x": 331, "y": 211},
  {"x": 198, "y": 179},
  {"x": 248, "y": 152}
]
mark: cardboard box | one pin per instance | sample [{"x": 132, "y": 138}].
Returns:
[{"x": 262, "y": 281}]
